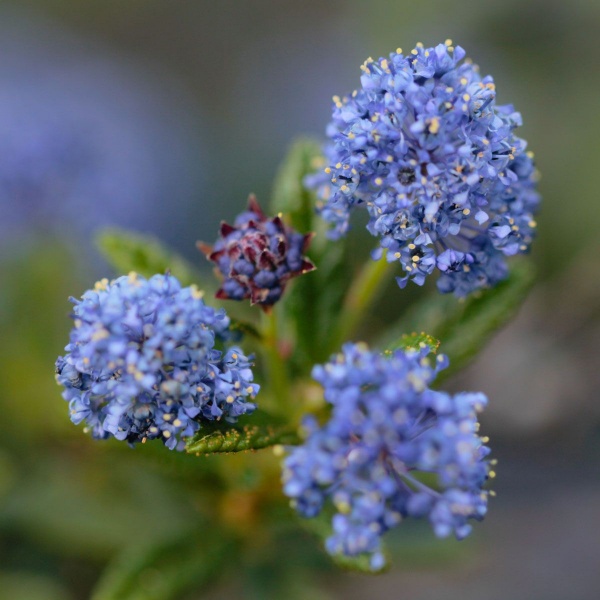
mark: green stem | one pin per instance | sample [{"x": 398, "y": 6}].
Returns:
[
  {"x": 363, "y": 292},
  {"x": 276, "y": 367}
]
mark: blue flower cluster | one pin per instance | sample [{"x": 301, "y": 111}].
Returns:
[
  {"x": 392, "y": 448},
  {"x": 426, "y": 149},
  {"x": 142, "y": 364}
]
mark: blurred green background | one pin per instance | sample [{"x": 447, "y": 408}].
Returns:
[{"x": 162, "y": 116}]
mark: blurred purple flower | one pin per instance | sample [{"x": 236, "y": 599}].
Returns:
[{"x": 86, "y": 140}]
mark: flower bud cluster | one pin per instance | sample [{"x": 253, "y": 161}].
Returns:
[
  {"x": 392, "y": 448},
  {"x": 257, "y": 256},
  {"x": 142, "y": 363},
  {"x": 424, "y": 147}
]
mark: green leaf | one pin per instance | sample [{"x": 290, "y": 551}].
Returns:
[
  {"x": 416, "y": 341},
  {"x": 94, "y": 507},
  {"x": 128, "y": 251},
  {"x": 245, "y": 328},
  {"x": 289, "y": 194},
  {"x": 165, "y": 570},
  {"x": 311, "y": 304},
  {"x": 464, "y": 326},
  {"x": 31, "y": 585},
  {"x": 258, "y": 431}
]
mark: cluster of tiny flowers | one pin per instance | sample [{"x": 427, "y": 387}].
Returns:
[
  {"x": 387, "y": 428},
  {"x": 257, "y": 256},
  {"x": 425, "y": 148},
  {"x": 142, "y": 364}
]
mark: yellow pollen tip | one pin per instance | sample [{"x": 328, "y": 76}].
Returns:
[
  {"x": 343, "y": 507},
  {"x": 101, "y": 285},
  {"x": 196, "y": 293}
]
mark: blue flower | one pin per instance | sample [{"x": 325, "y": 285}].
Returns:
[
  {"x": 392, "y": 448},
  {"x": 142, "y": 364},
  {"x": 257, "y": 257},
  {"x": 424, "y": 147}
]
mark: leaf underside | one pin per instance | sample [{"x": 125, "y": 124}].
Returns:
[
  {"x": 258, "y": 433},
  {"x": 416, "y": 341}
]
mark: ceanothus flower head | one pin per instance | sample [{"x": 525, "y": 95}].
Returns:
[
  {"x": 392, "y": 448},
  {"x": 142, "y": 364},
  {"x": 257, "y": 256},
  {"x": 424, "y": 147}
]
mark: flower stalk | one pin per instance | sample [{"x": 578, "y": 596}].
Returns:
[{"x": 363, "y": 292}]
